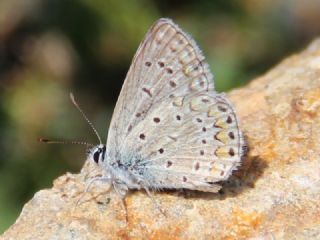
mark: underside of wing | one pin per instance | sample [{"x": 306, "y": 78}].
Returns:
[
  {"x": 170, "y": 128},
  {"x": 192, "y": 145},
  {"x": 167, "y": 61}
]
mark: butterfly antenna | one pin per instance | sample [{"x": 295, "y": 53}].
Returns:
[
  {"x": 45, "y": 140},
  {"x": 84, "y": 116}
]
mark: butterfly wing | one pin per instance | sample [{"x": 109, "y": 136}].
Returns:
[{"x": 170, "y": 128}]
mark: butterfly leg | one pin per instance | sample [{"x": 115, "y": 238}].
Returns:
[
  {"x": 125, "y": 206},
  {"x": 155, "y": 202},
  {"x": 89, "y": 184},
  {"x": 122, "y": 189}
]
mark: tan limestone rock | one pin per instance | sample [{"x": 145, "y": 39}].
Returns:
[{"x": 275, "y": 194}]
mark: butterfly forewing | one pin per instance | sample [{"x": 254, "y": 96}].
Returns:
[{"x": 169, "y": 125}]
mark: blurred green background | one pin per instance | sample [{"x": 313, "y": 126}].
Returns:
[{"x": 51, "y": 47}]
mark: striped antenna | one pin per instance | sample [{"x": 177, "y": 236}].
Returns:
[{"x": 49, "y": 141}]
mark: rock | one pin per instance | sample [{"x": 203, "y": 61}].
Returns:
[{"x": 275, "y": 194}]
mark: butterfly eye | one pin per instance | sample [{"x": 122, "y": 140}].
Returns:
[{"x": 96, "y": 156}]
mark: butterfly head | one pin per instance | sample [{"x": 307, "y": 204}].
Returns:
[{"x": 97, "y": 154}]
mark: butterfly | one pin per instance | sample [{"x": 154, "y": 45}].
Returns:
[{"x": 170, "y": 129}]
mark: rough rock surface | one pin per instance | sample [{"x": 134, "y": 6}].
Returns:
[{"x": 275, "y": 194}]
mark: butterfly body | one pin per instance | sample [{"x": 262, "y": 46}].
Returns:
[{"x": 170, "y": 128}]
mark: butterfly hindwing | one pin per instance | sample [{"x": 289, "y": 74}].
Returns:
[{"x": 192, "y": 146}]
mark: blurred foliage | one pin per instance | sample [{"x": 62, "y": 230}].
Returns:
[{"x": 51, "y": 47}]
